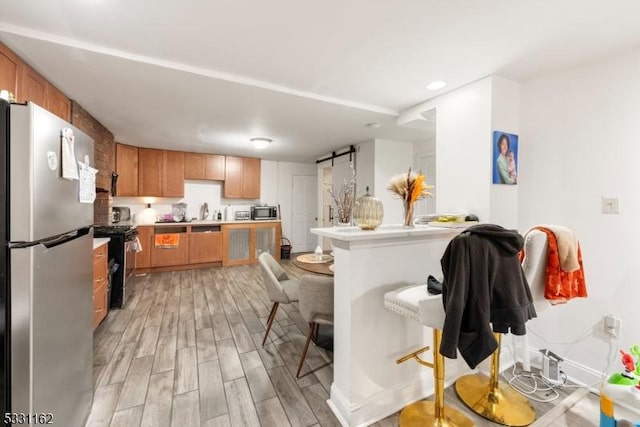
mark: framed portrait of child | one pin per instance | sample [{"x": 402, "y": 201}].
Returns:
[{"x": 505, "y": 158}]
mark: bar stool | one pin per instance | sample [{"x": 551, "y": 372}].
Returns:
[
  {"x": 414, "y": 303},
  {"x": 486, "y": 395}
]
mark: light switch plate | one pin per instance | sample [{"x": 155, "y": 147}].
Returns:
[{"x": 610, "y": 205}]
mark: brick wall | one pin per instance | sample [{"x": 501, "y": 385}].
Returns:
[{"x": 104, "y": 158}]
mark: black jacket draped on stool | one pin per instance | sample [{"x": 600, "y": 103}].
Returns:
[{"x": 484, "y": 291}]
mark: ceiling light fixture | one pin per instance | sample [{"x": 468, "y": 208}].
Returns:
[
  {"x": 435, "y": 85},
  {"x": 261, "y": 143}
]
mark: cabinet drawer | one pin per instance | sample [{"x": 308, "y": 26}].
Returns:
[
  {"x": 100, "y": 305},
  {"x": 100, "y": 267},
  {"x": 100, "y": 253}
]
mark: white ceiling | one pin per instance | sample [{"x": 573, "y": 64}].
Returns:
[{"x": 206, "y": 75}]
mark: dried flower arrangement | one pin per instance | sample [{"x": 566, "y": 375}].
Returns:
[
  {"x": 410, "y": 187},
  {"x": 344, "y": 196}
]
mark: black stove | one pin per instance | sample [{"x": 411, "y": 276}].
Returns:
[{"x": 122, "y": 260}]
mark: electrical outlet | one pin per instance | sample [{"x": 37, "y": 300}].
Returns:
[
  {"x": 610, "y": 205},
  {"x": 611, "y": 324}
]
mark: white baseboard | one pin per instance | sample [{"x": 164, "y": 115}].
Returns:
[{"x": 389, "y": 401}]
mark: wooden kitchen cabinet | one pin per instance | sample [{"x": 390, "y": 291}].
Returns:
[
  {"x": 143, "y": 258},
  {"x": 172, "y": 173},
  {"x": 194, "y": 165},
  {"x": 150, "y": 172},
  {"x": 57, "y": 102},
  {"x": 243, "y": 243},
  {"x": 205, "y": 244},
  {"x": 233, "y": 177},
  {"x": 214, "y": 167},
  {"x": 242, "y": 178},
  {"x": 32, "y": 86},
  {"x": 100, "y": 285},
  {"x": 160, "y": 173},
  {"x": 127, "y": 170},
  {"x": 9, "y": 66},
  {"x": 170, "y": 256},
  {"x": 27, "y": 85}
]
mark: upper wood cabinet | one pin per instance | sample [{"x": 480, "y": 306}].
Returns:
[
  {"x": 233, "y": 177},
  {"x": 127, "y": 170},
  {"x": 33, "y": 86},
  {"x": 194, "y": 166},
  {"x": 160, "y": 173},
  {"x": 251, "y": 178},
  {"x": 9, "y": 66},
  {"x": 150, "y": 172},
  {"x": 204, "y": 166},
  {"x": 27, "y": 85},
  {"x": 172, "y": 174},
  {"x": 57, "y": 103},
  {"x": 242, "y": 178}
]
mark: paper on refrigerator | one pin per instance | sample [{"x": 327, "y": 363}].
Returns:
[
  {"x": 69, "y": 168},
  {"x": 87, "y": 187}
]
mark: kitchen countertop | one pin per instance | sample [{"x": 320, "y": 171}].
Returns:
[
  {"x": 206, "y": 222},
  {"x": 99, "y": 241}
]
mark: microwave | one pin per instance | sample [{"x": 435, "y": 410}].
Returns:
[{"x": 264, "y": 212}]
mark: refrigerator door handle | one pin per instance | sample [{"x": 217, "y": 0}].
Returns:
[{"x": 52, "y": 241}]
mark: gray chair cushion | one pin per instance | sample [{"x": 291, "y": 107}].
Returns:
[{"x": 290, "y": 287}]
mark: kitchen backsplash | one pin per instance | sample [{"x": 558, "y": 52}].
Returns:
[{"x": 196, "y": 193}]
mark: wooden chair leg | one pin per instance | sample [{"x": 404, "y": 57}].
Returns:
[
  {"x": 306, "y": 347},
  {"x": 315, "y": 328},
  {"x": 270, "y": 320}
]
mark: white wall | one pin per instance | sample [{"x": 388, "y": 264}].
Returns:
[
  {"x": 580, "y": 140},
  {"x": 505, "y": 116},
  {"x": 463, "y": 147}
]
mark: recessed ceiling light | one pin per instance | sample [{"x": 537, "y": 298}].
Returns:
[
  {"x": 435, "y": 85},
  {"x": 261, "y": 142}
]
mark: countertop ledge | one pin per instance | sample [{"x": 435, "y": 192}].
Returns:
[
  {"x": 99, "y": 241},
  {"x": 382, "y": 232},
  {"x": 207, "y": 222}
]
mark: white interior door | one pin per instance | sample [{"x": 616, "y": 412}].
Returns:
[{"x": 304, "y": 202}]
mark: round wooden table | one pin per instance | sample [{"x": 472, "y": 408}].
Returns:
[{"x": 325, "y": 266}]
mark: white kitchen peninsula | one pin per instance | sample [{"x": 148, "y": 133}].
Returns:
[{"x": 367, "y": 383}]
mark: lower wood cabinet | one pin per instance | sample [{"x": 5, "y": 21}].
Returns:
[
  {"x": 176, "y": 247},
  {"x": 143, "y": 258},
  {"x": 243, "y": 243},
  {"x": 205, "y": 245},
  {"x": 100, "y": 285},
  {"x": 169, "y": 246}
]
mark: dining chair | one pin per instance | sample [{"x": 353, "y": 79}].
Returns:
[
  {"x": 280, "y": 288},
  {"x": 316, "y": 307}
]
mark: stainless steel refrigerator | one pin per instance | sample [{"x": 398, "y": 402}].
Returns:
[{"x": 46, "y": 269}]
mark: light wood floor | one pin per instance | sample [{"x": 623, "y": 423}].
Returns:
[{"x": 186, "y": 351}]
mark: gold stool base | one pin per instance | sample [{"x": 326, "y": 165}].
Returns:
[
  {"x": 504, "y": 406},
  {"x": 423, "y": 414}
]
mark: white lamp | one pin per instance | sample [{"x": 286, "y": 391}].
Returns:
[{"x": 261, "y": 143}]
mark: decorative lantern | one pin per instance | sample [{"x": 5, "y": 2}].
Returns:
[{"x": 368, "y": 212}]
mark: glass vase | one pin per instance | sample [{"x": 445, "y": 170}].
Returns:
[
  {"x": 368, "y": 212},
  {"x": 408, "y": 213}
]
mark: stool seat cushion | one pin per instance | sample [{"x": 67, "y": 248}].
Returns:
[{"x": 414, "y": 302}]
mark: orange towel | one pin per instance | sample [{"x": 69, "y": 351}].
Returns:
[
  {"x": 167, "y": 240},
  {"x": 562, "y": 285}
]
